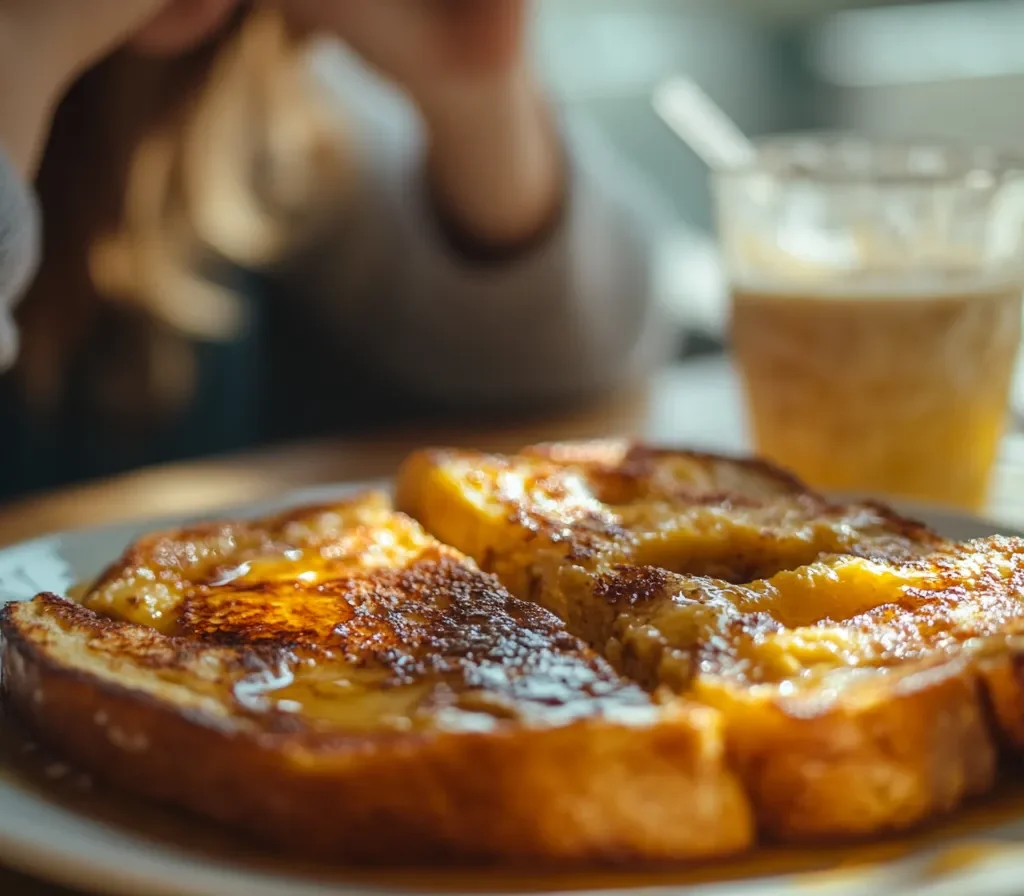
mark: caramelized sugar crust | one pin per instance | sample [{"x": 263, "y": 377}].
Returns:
[
  {"x": 905, "y": 675},
  {"x": 336, "y": 681},
  {"x": 370, "y": 622},
  {"x": 840, "y": 643},
  {"x": 822, "y": 622},
  {"x": 606, "y": 503}
]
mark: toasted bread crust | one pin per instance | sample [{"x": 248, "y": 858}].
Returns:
[
  {"x": 855, "y": 659},
  {"x": 583, "y": 768},
  {"x": 526, "y": 516},
  {"x": 912, "y": 753},
  {"x": 587, "y": 792}
]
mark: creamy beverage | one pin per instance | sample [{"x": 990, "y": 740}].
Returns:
[
  {"x": 876, "y": 309},
  {"x": 898, "y": 389}
]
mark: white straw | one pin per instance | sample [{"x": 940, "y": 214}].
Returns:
[{"x": 700, "y": 123}]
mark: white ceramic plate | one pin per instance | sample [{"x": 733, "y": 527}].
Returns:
[{"x": 48, "y": 837}]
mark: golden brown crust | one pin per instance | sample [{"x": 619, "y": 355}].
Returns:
[
  {"x": 856, "y": 658},
  {"x": 1002, "y": 676},
  {"x": 606, "y": 503},
  {"x": 402, "y": 799},
  {"x": 899, "y": 676},
  {"x": 399, "y": 711},
  {"x": 916, "y": 750}
]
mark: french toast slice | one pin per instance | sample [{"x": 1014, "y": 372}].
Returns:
[
  {"x": 644, "y": 552},
  {"x": 336, "y": 682}
]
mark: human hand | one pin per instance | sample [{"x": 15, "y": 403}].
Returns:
[
  {"x": 434, "y": 49},
  {"x": 495, "y": 159}
]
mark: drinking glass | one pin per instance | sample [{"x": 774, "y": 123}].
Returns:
[{"x": 876, "y": 309}]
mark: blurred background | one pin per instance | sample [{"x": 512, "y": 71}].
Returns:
[
  {"x": 943, "y": 69},
  {"x": 940, "y": 68}
]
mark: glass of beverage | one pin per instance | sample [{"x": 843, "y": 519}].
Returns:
[{"x": 876, "y": 310}]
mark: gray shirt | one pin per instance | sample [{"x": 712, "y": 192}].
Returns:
[
  {"x": 19, "y": 252},
  {"x": 573, "y": 315}
]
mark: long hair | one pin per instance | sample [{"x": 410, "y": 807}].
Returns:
[{"x": 155, "y": 170}]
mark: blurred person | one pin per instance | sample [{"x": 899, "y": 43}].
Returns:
[{"x": 238, "y": 233}]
